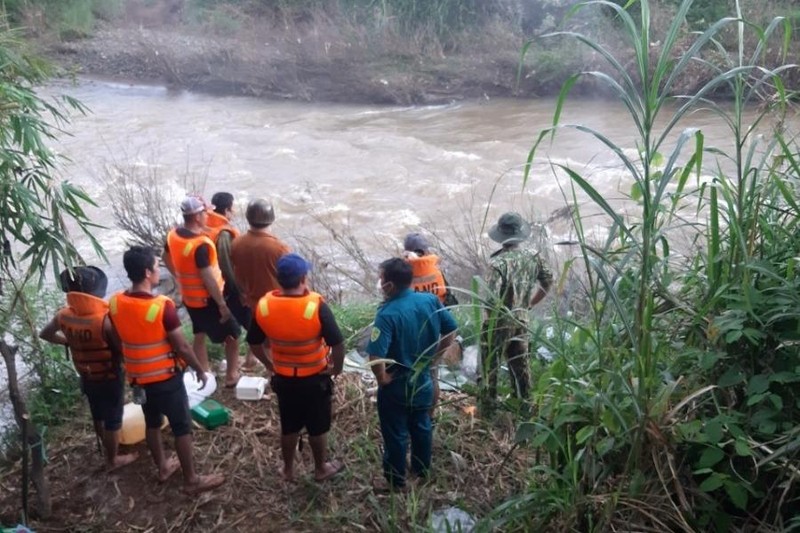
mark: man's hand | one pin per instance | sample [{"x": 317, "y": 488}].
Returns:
[
  {"x": 436, "y": 394},
  {"x": 330, "y": 370},
  {"x": 202, "y": 378},
  {"x": 224, "y": 313},
  {"x": 384, "y": 378}
]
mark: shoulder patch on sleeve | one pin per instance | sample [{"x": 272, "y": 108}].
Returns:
[{"x": 375, "y": 335}]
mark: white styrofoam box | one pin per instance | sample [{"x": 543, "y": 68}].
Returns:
[
  {"x": 250, "y": 388},
  {"x": 195, "y": 390}
]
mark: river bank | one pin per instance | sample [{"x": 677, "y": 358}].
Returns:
[
  {"x": 474, "y": 469},
  {"x": 296, "y": 69}
]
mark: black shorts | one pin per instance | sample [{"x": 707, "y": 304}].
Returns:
[
  {"x": 206, "y": 320},
  {"x": 168, "y": 398},
  {"x": 240, "y": 312},
  {"x": 105, "y": 401},
  {"x": 304, "y": 402}
]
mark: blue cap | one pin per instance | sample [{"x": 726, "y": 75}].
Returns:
[
  {"x": 290, "y": 269},
  {"x": 415, "y": 242}
]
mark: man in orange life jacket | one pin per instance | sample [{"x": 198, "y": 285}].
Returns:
[
  {"x": 296, "y": 336},
  {"x": 191, "y": 257},
  {"x": 428, "y": 276},
  {"x": 155, "y": 353},
  {"x": 83, "y": 325},
  {"x": 223, "y": 234}
]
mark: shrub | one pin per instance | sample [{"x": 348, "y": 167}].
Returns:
[{"x": 660, "y": 405}]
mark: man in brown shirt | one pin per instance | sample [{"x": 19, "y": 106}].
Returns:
[{"x": 255, "y": 254}]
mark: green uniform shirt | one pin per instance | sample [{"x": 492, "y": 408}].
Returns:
[{"x": 407, "y": 329}]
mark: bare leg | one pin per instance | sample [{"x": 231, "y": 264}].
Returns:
[
  {"x": 319, "y": 449},
  {"x": 232, "y": 359},
  {"x": 200, "y": 350},
  {"x": 98, "y": 430},
  {"x": 192, "y": 482},
  {"x": 183, "y": 445},
  {"x": 111, "y": 446},
  {"x": 288, "y": 446},
  {"x": 250, "y": 362},
  {"x": 166, "y": 467}
]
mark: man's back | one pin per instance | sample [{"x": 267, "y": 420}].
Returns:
[
  {"x": 514, "y": 275},
  {"x": 254, "y": 256},
  {"x": 407, "y": 329}
]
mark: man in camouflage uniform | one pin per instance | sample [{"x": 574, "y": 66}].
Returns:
[{"x": 517, "y": 280}]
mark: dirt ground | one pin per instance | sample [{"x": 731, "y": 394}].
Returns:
[{"x": 473, "y": 470}]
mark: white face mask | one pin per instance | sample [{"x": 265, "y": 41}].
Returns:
[{"x": 380, "y": 285}]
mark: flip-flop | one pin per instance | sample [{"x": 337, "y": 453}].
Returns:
[
  {"x": 204, "y": 483},
  {"x": 173, "y": 464},
  {"x": 337, "y": 468},
  {"x": 232, "y": 384}
]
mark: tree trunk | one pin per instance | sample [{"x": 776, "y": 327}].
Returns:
[{"x": 35, "y": 442}]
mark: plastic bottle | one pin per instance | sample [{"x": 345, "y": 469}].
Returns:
[{"x": 132, "y": 424}]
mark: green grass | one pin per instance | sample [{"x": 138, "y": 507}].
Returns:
[{"x": 352, "y": 320}]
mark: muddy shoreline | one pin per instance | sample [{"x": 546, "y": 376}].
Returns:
[{"x": 303, "y": 71}]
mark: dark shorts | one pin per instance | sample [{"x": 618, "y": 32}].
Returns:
[
  {"x": 206, "y": 320},
  {"x": 105, "y": 402},
  {"x": 240, "y": 312},
  {"x": 168, "y": 398},
  {"x": 304, "y": 402}
]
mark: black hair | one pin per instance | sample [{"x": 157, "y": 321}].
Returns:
[
  {"x": 222, "y": 201},
  {"x": 86, "y": 279},
  {"x": 289, "y": 283},
  {"x": 397, "y": 271},
  {"x": 137, "y": 260}
]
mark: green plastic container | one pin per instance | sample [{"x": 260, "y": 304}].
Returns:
[{"x": 210, "y": 414}]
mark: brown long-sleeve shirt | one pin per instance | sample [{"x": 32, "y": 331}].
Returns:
[{"x": 254, "y": 256}]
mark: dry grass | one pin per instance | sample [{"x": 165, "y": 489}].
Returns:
[{"x": 471, "y": 470}]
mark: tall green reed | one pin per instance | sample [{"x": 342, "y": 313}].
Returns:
[{"x": 610, "y": 411}]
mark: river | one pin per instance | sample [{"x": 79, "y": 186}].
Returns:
[{"x": 381, "y": 171}]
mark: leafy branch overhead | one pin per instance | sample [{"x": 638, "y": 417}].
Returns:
[{"x": 38, "y": 209}]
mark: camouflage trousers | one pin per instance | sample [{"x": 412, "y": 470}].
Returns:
[{"x": 509, "y": 343}]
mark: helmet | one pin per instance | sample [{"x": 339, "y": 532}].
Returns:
[{"x": 260, "y": 213}]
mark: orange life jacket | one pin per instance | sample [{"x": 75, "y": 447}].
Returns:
[
  {"x": 148, "y": 355},
  {"x": 427, "y": 276},
  {"x": 295, "y": 333},
  {"x": 217, "y": 223},
  {"x": 82, "y": 323},
  {"x": 182, "y": 252}
]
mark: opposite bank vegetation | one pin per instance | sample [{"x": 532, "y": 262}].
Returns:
[
  {"x": 367, "y": 51},
  {"x": 671, "y": 403}
]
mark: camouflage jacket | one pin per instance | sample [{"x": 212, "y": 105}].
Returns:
[{"x": 514, "y": 276}]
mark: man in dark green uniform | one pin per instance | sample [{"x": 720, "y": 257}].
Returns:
[
  {"x": 517, "y": 280},
  {"x": 412, "y": 329}
]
